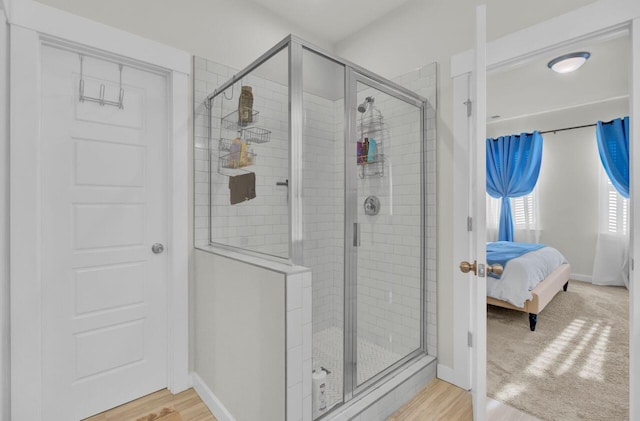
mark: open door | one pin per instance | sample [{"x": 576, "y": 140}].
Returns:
[
  {"x": 475, "y": 267},
  {"x": 477, "y": 211},
  {"x": 469, "y": 229}
]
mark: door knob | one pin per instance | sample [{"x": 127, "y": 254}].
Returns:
[
  {"x": 157, "y": 248},
  {"x": 495, "y": 268},
  {"x": 467, "y": 267}
]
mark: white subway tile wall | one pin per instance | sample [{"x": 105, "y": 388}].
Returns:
[
  {"x": 423, "y": 81},
  {"x": 299, "y": 346},
  {"x": 323, "y": 216},
  {"x": 389, "y": 257},
  {"x": 260, "y": 224}
]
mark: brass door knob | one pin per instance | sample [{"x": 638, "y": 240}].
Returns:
[
  {"x": 467, "y": 267},
  {"x": 495, "y": 268}
]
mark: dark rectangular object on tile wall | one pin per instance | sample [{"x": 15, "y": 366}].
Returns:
[{"x": 242, "y": 188}]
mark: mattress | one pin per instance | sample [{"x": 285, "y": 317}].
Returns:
[{"x": 523, "y": 274}]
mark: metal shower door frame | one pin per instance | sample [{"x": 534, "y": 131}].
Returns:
[{"x": 353, "y": 76}]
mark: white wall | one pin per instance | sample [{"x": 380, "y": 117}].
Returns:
[
  {"x": 245, "y": 370},
  {"x": 421, "y": 32},
  {"x": 568, "y": 185},
  {"x": 4, "y": 225}
]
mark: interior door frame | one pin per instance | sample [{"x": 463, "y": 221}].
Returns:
[
  {"x": 31, "y": 24},
  {"x": 599, "y": 18}
]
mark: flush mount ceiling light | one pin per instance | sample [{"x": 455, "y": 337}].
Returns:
[{"x": 568, "y": 62}]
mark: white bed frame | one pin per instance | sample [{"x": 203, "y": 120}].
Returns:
[{"x": 543, "y": 293}]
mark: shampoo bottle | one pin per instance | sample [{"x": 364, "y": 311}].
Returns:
[
  {"x": 319, "y": 399},
  {"x": 245, "y": 106}
]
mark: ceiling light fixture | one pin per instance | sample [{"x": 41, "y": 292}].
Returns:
[{"x": 568, "y": 62}]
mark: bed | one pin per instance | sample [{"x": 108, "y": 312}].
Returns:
[{"x": 533, "y": 274}]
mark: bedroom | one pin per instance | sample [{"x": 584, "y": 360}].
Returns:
[{"x": 580, "y": 345}]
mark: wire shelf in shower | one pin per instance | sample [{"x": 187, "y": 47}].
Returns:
[
  {"x": 236, "y": 160},
  {"x": 371, "y": 168},
  {"x": 371, "y": 123},
  {"x": 232, "y": 121},
  {"x": 372, "y": 120},
  {"x": 225, "y": 144},
  {"x": 249, "y": 136},
  {"x": 256, "y": 135},
  {"x": 248, "y": 132}
]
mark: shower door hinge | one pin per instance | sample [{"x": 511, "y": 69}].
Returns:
[
  {"x": 469, "y": 105},
  {"x": 469, "y": 223},
  {"x": 470, "y": 339}
]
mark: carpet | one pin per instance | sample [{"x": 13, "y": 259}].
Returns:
[{"x": 575, "y": 366}]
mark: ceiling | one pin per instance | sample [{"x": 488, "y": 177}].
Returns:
[
  {"x": 532, "y": 88},
  {"x": 333, "y": 20}
]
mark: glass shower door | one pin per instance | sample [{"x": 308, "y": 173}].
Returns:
[{"x": 385, "y": 198}]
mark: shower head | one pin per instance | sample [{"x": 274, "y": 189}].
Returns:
[{"x": 363, "y": 107}]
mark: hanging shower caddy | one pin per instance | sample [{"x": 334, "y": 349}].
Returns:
[
  {"x": 371, "y": 127},
  {"x": 233, "y": 127}
]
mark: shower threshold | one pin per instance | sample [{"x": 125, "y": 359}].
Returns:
[{"x": 378, "y": 402}]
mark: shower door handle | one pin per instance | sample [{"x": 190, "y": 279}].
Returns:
[
  {"x": 284, "y": 183},
  {"x": 356, "y": 234}
]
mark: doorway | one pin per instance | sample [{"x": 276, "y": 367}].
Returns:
[
  {"x": 585, "y": 23},
  {"x": 581, "y": 342}
]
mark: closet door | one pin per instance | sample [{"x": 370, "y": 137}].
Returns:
[{"x": 104, "y": 188}]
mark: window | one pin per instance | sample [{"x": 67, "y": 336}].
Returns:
[
  {"x": 617, "y": 210},
  {"x": 524, "y": 211}
]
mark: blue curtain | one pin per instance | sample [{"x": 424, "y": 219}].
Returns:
[
  {"x": 513, "y": 166},
  {"x": 613, "y": 146}
]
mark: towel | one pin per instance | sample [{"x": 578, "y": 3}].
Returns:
[
  {"x": 242, "y": 188},
  {"x": 371, "y": 153}
]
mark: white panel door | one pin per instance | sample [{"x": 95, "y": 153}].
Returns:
[{"x": 104, "y": 190}]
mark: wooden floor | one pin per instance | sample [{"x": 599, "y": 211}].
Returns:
[
  {"x": 443, "y": 401},
  {"x": 439, "y": 400},
  {"x": 187, "y": 404}
]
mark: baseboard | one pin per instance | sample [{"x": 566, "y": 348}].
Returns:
[
  {"x": 213, "y": 403},
  {"x": 581, "y": 278},
  {"x": 448, "y": 374}
]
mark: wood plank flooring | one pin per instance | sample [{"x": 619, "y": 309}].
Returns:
[
  {"x": 187, "y": 404},
  {"x": 443, "y": 401},
  {"x": 438, "y": 400}
]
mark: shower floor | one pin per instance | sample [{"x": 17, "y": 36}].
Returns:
[{"x": 328, "y": 353}]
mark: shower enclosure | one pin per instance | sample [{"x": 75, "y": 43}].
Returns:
[{"x": 336, "y": 159}]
